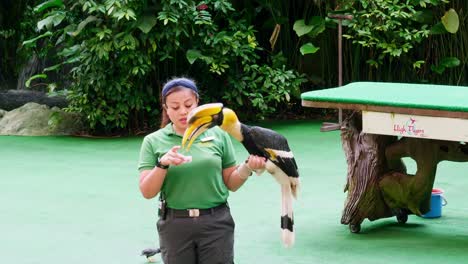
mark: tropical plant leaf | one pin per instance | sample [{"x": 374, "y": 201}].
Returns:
[
  {"x": 193, "y": 55},
  {"x": 417, "y": 64},
  {"x": 318, "y": 26},
  {"x": 52, "y": 68},
  {"x": 450, "y": 62},
  {"x": 343, "y": 5},
  {"x": 308, "y": 48},
  {"x": 447, "y": 62},
  {"x": 83, "y": 24},
  {"x": 146, "y": 23},
  {"x": 438, "y": 29},
  {"x": 301, "y": 28},
  {"x": 54, "y": 19},
  {"x": 66, "y": 52},
  {"x": 51, "y": 3},
  {"x": 33, "y": 40},
  {"x": 450, "y": 21},
  {"x": 37, "y": 76},
  {"x": 424, "y": 17},
  {"x": 438, "y": 69},
  {"x": 315, "y": 27},
  {"x": 239, "y": 100}
]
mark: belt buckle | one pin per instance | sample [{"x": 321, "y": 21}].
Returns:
[{"x": 194, "y": 212}]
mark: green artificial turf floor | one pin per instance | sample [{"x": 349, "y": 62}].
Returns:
[{"x": 76, "y": 200}]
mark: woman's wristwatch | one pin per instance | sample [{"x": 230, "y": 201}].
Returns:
[{"x": 162, "y": 166}]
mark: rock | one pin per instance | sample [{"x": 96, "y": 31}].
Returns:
[
  {"x": 33, "y": 119},
  {"x": 2, "y": 113}
]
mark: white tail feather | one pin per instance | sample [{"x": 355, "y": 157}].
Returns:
[
  {"x": 287, "y": 236},
  {"x": 289, "y": 189}
]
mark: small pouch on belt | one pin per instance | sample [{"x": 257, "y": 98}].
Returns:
[{"x": 162, "y": 210}]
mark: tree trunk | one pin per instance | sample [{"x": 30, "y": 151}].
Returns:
[
  {"x": 414, "y": 191},
  {"x": 377, "y": 183},
  {"x": 365, "y": 155},
  {"x": 12, "y": 99},
  {"x": 31, "y": 67}
]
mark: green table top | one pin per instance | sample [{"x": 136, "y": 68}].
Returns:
[{"x": 404, "y": 95}]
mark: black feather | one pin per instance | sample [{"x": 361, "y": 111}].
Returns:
[{"x": 257, "y": 139}]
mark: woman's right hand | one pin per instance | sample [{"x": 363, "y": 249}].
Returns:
[{"x": 173, "y": 157}]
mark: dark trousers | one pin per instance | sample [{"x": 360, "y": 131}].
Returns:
[{"x": 207, "y": 239}]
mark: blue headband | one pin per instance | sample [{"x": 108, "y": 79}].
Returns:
[{"x": 183, "y": 82}]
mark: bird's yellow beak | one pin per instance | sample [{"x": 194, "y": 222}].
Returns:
[{"x": 199, "y": 120}]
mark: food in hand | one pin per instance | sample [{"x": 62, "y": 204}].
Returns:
[{"x": 187, "y": 159}]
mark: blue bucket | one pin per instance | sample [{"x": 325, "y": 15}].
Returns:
[{"x": 437, "y": 201}]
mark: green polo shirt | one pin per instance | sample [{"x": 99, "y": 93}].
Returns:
[{"x": 198, "y": 184}]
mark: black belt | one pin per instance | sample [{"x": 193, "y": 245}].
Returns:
[{"x": 181, "y": 213}]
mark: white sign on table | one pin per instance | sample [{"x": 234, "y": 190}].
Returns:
[{"x": 453, "y": 129}]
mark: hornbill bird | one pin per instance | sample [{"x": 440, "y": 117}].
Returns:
[{"x": 263, "y": 142}]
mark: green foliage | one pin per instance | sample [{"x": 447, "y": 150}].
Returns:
[
  {"x": 33, "y": 41},
  {"x": 8, "y": 33},
  {"x": 450, "y": 21},
  {"x": 15, "y": 24},
  {"x": 308, "y": 48},
  {"x": 448, "y": 62},
  {"x": 109, "y": 61},
  {"x": 119, "y": 52},
  {"x": 309, "y": 31},
  {"x": 37, "y": 76},
  {"x": 48, "y": 4},
  {"x": 116, "y": 47},
  {"x": 392, "y": 28},
  {"x": 230, "y": 52},
  {"x": 264, "y": 88},
  {"x": 193, "y": 29}
]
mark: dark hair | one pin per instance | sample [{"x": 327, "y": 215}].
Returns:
[{"x": 174, "y": 85}]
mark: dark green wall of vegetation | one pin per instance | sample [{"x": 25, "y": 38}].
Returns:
[{"x": 112, "y": 57}]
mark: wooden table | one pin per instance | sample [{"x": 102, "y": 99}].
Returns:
[{"x": 385, "y": 122}]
